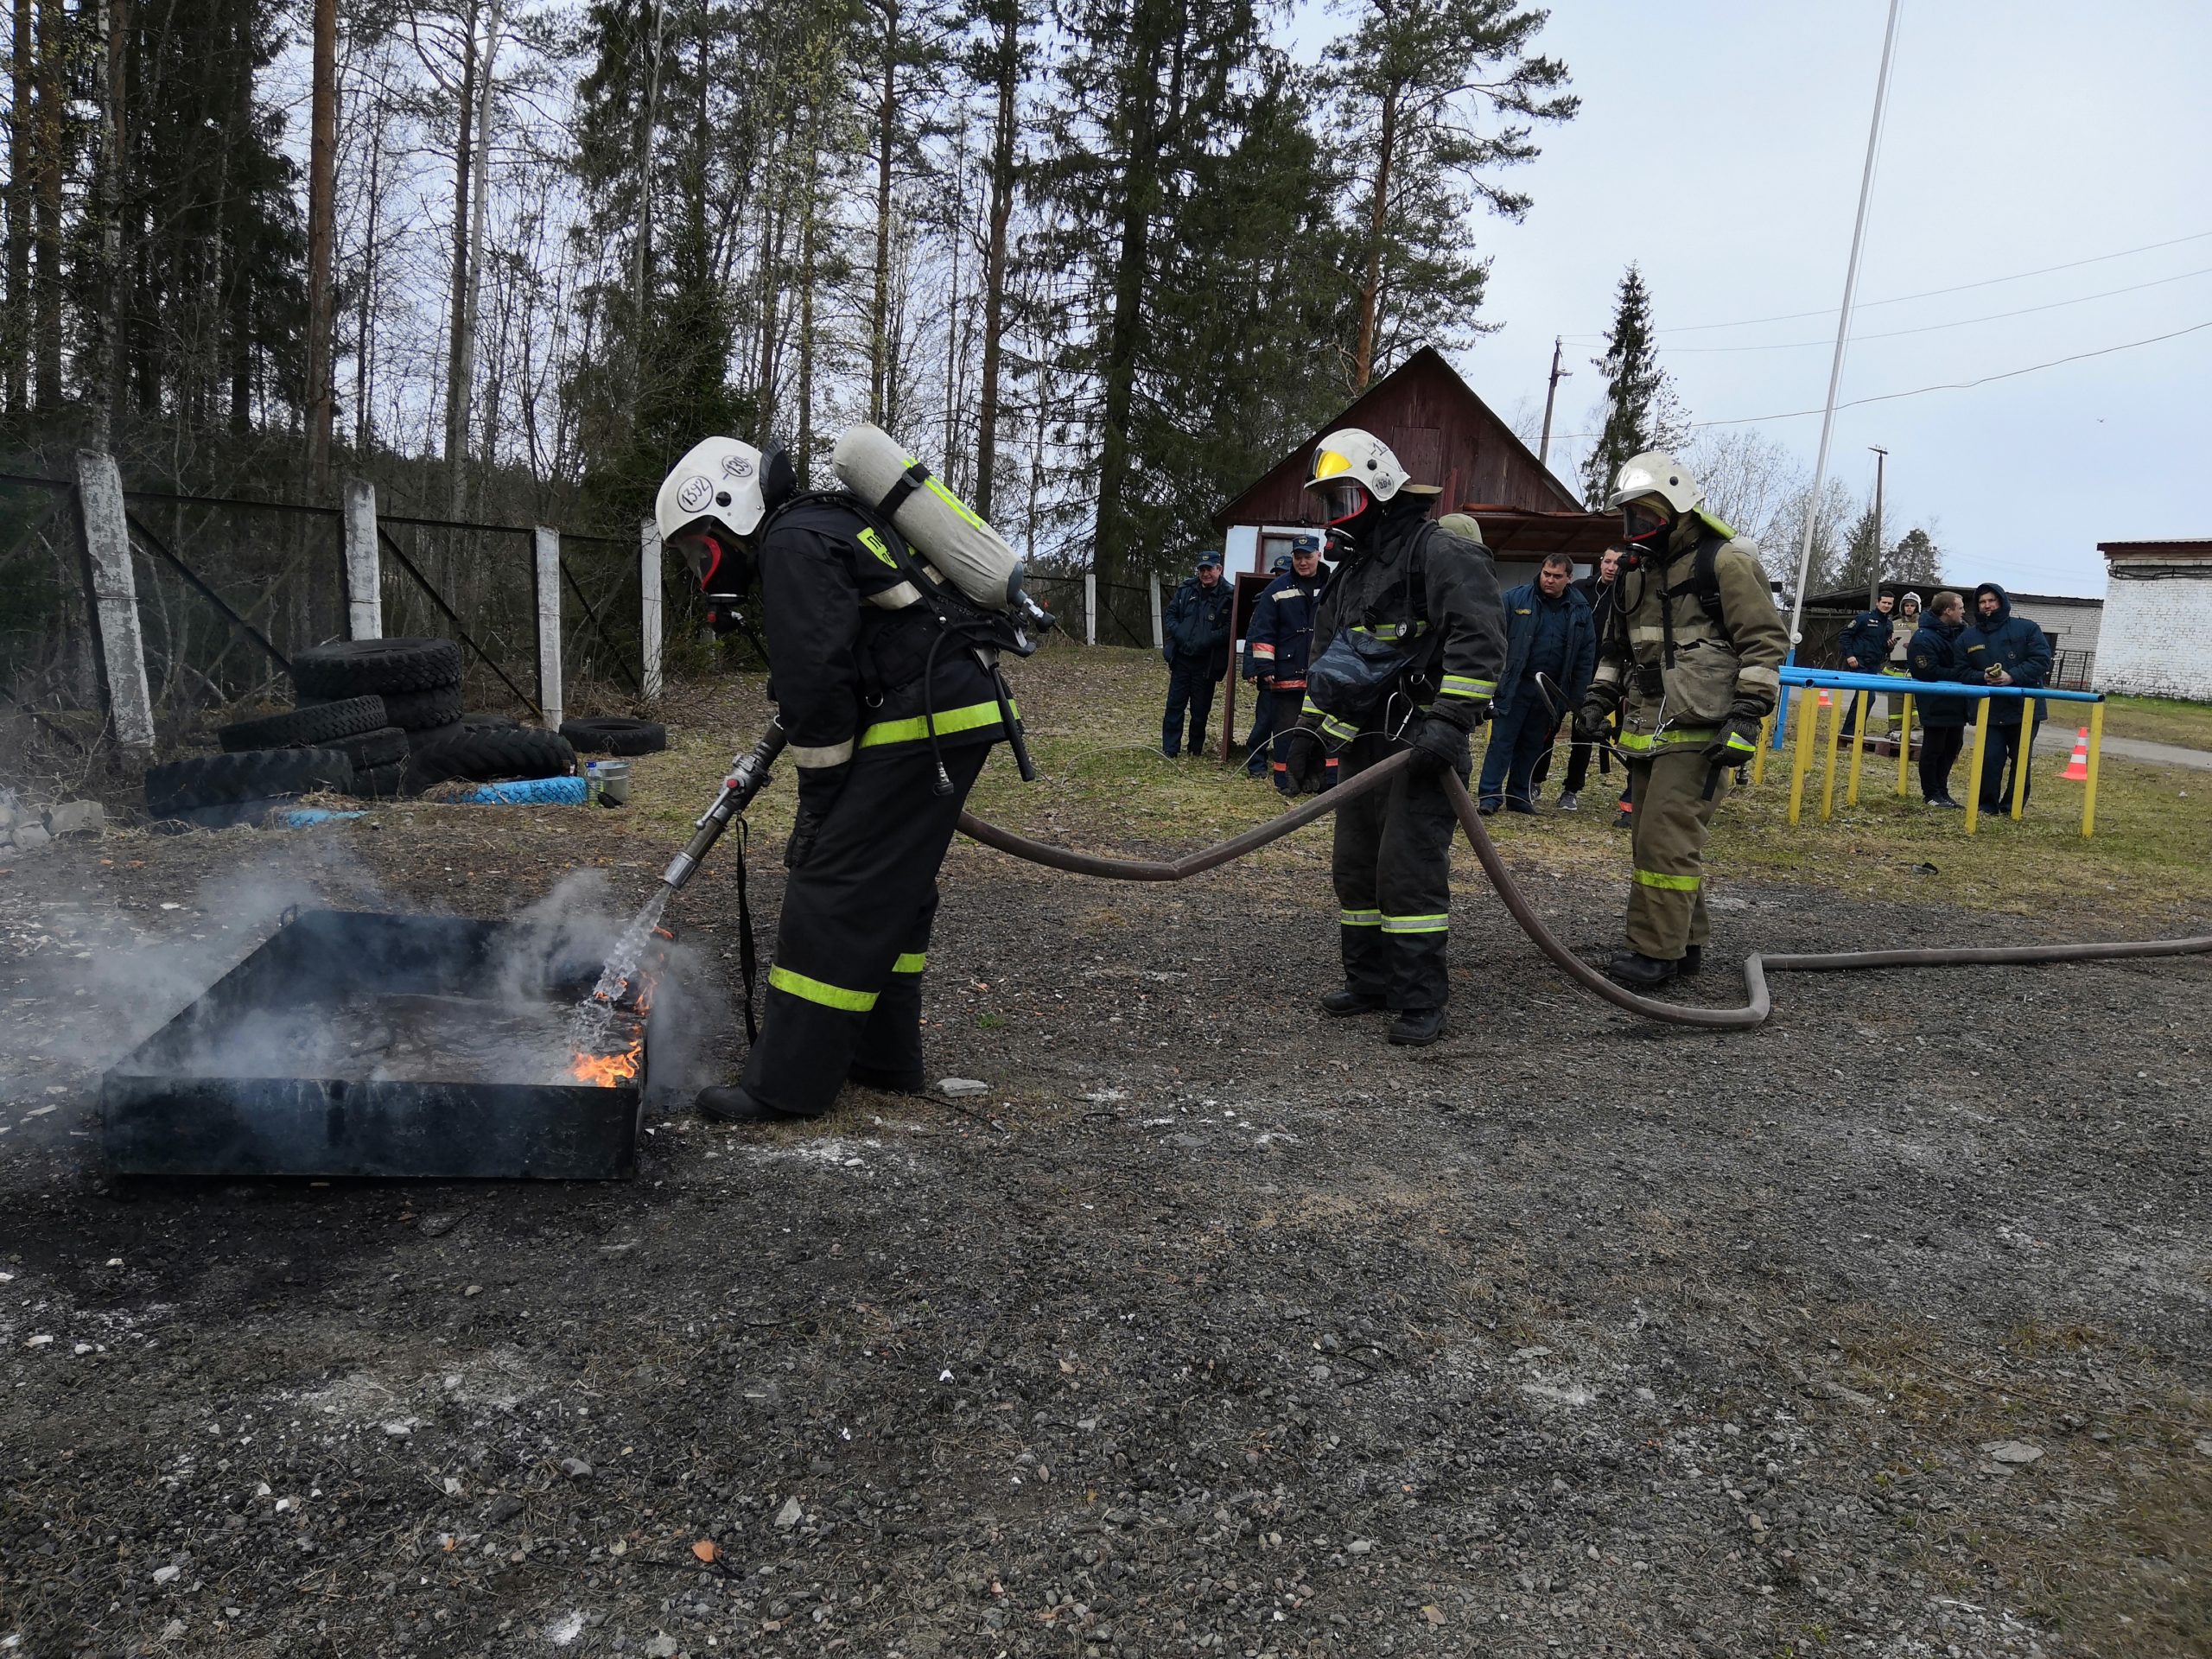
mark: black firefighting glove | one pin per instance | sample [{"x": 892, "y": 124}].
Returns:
[
  {"x": 1305, "y": 759},
  {"x": 1738, "y": 737},
  {"x": 1595, "y": 713},
  {"x": 818, "y": 789},
  {"x": 1439, "y": 742}
]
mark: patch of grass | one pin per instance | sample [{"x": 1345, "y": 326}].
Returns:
[
  {"x": 1093, "y": 718},
  {"x": 2159, "y": 719}
]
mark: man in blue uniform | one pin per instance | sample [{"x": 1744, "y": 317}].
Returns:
[
  {"x": 2002, "y": 649},
  {"x": 1196, "y": 649},
  {"x": 1549, "y": 632},
  {"x": 1280, "y": 639}
]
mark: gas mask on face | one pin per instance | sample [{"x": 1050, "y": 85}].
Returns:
[
  {"x": 722, "y": 566},
  {"x": 1644, "y": 521}
]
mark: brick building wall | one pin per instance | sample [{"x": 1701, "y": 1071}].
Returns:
[{"x": 2158, "y": 632}]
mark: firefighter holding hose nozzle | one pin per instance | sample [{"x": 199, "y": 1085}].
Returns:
[
  {"x": 1415, "y": 636},
  {"x": 1692, "y": 658},
  {"x": 885, "y": 679}
]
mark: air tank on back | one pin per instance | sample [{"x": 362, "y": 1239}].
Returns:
[{"x": 944, "y": 531}]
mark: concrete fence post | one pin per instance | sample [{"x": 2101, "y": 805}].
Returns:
[
  {"x": 1090, "y": 608},
  {"x": 649, "y": 615},
  {"x": 363, "y": 564},
  {"x": 547, "y": 546},
  {"x": 112, "y": 588},
  {"x": 1159, "y": 639}
]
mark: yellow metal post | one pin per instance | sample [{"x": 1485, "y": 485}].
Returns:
[
  {"x": 1807, "y": 716},
  {"x": 2024, "y": 760},
  {"x": 1863, "y": 705},
  {"x": 1758, "y": 756},
  {"x": 2096, "y": 748},
  {"x": 1827, "y": 776},
  {"x": 1974, "y": 775},
  {"x": 1904, "y": 745}
]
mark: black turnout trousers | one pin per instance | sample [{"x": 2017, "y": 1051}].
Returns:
[
  {"x": 845, "y": 993},
  {"x": 1392, "y": 867}
]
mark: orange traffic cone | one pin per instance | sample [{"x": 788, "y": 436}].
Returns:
[{"x": 2078, "y": 769}]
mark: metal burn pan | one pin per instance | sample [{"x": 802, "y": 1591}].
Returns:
[{"x": 195, "y": 1100}]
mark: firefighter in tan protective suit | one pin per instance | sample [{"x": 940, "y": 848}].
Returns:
[{"x": 1692, "y": 658}]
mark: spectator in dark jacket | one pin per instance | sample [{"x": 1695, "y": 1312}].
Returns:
[
  {"x": 1937, "y": 653},
  {"x": 1196, "y": 649},
  {"x": 2003, "y": 649},
  {"x": 1864, "y": 648},
  {"x": 1279, "y": 643},
  {"x": 1597, "y": 590},
  {"x": 1548, "y": 631}
]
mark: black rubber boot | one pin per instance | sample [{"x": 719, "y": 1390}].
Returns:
[
  {"x": 732, "y": 1105},
  {"x": 1639, "y": 972},
  {"x": 1417, "y": 1027},
  {"x": 1693, "y": 962},
  {"x": 1344, "y": 1002}
]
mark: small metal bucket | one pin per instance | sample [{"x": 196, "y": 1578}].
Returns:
[{"x": 609, "y": 781}]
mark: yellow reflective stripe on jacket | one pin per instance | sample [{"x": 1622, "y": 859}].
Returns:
[
  {"x": 911, "y": 962},
  {"x": 816, "y": 990},
  {"x": 1390, "y": 630},
  {"x": 1360, "y": 918},
  {"x": 1464, "y": 685},
  {"x": 810, "y": 758},
  {"x": 1675, "y": 737},
  {"x": 1417, "y": 924},
  {"x": 974, "y": 717},
  {"x": 1671, "y": 883}
]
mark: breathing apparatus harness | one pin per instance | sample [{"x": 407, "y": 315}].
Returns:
[{"x": 1703, "y": 584}]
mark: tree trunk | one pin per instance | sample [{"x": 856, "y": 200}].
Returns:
[
  {"x": 16, "y": 339},
  {"x": 113, "y": 369},
  {"x": 1113, "y": 543},
  {"x": 887, "y": 118},
  {"x": 478, "y": 208},
  {"x": 1008, "y": 51},
  {"x": 464, "y": 147},
  {"x": 365, "y": 314},
  {"x": 641, "y": 244},
  {"x": 323, "y": 184},
  {"x": 46, "y": 326},
  {"x": 1378, "y": 220},
  {"x": 804, "y": 459}
]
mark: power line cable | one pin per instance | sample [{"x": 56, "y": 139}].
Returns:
[
  {"x": 1936, "y": 328},
  {"x": 1925, "y": 294},
  {"x": 1948, "y": 385}
]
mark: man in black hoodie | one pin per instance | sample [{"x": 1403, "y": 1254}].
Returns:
[{"x": 2002, "y": 649}]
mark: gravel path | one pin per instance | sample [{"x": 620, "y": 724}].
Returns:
[{"x": 1212, "y": 1327}]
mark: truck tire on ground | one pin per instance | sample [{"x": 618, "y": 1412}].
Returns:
[
  {"x": 613, "y": 736},
  {"x": 382, "y": 748},
  {"x": 352, "y": 668},
  {"x": 420, "y": 711},
  {"x": 305, "y": 727},
  {"x": 383, "y": 783},
  {"x": 487, "y": 721},
  {"x": 488, "y": 755},
  {"x": 226, "y": 779}
]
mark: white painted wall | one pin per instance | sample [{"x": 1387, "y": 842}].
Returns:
[{"x": 2158, "y": 636}]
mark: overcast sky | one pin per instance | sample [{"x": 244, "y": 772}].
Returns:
[{"x": 1721, "y": 145}]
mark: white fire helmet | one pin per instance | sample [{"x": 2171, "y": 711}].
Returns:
[
  {"x": 1351, "y": 467},
  {"x": 1653, "y": 473},
  {"x": 719, "y": 481}
]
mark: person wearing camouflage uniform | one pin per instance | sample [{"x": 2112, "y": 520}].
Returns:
[{"x": 1692, "y": 658}]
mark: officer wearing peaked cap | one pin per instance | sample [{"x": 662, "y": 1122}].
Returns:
[
  {"x": 1410, "y": 639},
  {"x": 1692, "y": 658}
]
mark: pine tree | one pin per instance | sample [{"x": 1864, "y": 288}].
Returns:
[
  {"x": 1862, "y": 551},
  {"x": 1640, "y": 410},
  {"x": 1411, "y": 87},
  {"x": 1915, "y": 558}
]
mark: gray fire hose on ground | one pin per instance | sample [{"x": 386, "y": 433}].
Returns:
[{"x": 750, "y": 772}]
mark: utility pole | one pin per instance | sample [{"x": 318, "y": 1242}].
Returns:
[
  {"x": 1874, "y": 578},
  {"x": 1551, "y": 395}
]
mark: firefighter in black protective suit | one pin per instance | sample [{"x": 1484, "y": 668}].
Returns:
[
  {"x": 1408, "y": 642},
  {"x": 859, "y": 671}
]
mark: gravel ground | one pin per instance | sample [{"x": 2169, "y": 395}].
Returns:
[{"x": 1212, "y": 1327}]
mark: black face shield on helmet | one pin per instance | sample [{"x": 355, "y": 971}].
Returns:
[
  {"x": 1645, "y": 517},
  {"x": 722, "y": 566}
]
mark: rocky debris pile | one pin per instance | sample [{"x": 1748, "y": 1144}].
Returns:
[{"x": 30, "y": 828}]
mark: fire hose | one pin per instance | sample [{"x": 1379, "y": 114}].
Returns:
[{"x": 751, "y": 771}]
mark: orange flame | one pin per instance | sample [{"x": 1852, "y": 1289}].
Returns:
[{"x": 607, "y": 1070}]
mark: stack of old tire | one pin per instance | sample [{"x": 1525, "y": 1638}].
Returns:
[
  {"x": 419, "y": 681},
  {"x": 374, "y": 718}
]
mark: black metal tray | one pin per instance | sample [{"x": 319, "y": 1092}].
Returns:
[{"x": 161, "y": 1119}]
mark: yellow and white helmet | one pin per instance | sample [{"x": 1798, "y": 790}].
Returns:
[
  {"x": 1350, "y": 468},
  {"x": 1653, "y": 490}
]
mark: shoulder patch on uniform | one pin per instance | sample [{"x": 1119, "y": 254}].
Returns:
[{"x": 873, "y": 543}]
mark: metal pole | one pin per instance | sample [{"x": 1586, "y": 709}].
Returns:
[
  {"x": 1981, "y": 755},
  {"x": 2096, "y": 750},
  {"x": 1875, "y": 574},
  {"x": 1905, "y": 744},
  {"x": 1551, "y": 394},
  {"x": 1842, "y": 330}
]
